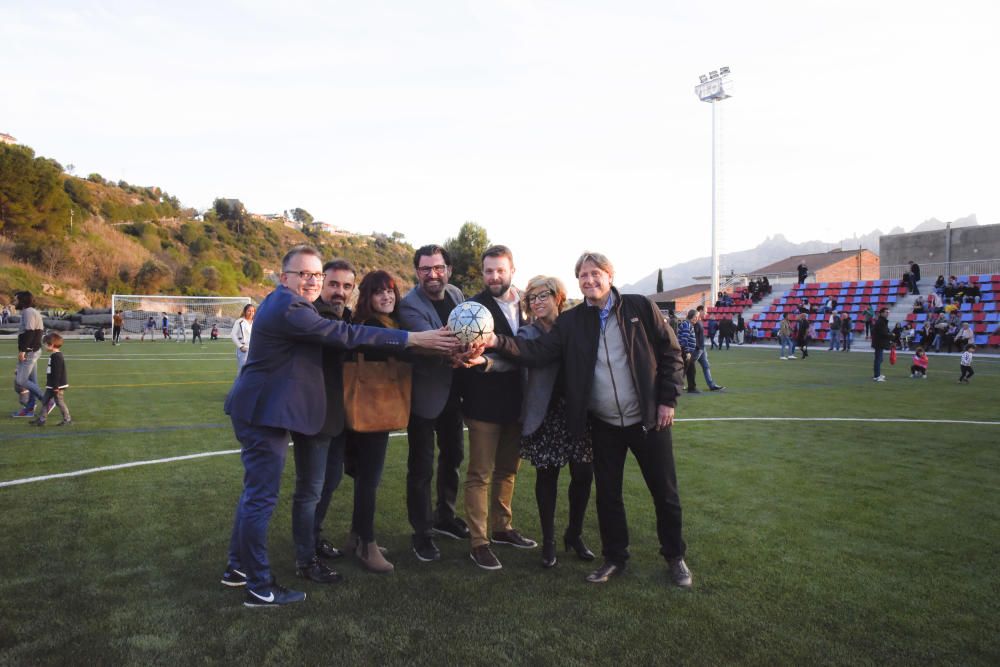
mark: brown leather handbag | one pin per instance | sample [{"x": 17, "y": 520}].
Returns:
[{"x": 377, "y": 394}]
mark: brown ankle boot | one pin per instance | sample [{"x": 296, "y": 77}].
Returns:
[{"x": 371, "y": 557}]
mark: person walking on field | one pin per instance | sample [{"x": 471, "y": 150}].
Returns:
[
  {"x": 29, "y": 349},
  {"x": 802, "y": 334}
]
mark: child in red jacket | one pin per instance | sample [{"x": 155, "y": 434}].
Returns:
[{"x": 919, "y": 367}]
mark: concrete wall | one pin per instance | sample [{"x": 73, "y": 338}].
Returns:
[{"x": 968, "y": 244}]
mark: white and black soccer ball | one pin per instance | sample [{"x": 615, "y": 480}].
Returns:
[{"x": 470, "y": 321}]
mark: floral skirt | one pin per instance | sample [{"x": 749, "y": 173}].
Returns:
[{"x": 551, "y": 445}]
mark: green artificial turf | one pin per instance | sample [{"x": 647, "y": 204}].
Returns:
[{"x": 811, "y": 542}]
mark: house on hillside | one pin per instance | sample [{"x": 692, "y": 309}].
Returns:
[
  {"x": 7, "y": 139},
  {"x": 833, "y": 266},
  {"x": 326, "y": 227},
  {"x": 683, "y": 298}
]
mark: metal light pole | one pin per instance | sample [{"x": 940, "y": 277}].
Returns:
[{"x": 713, "y": 88}]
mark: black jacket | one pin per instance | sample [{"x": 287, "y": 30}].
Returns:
[
  {"x": 492, "y": 397},
  {"x": 654, "y": 357},
  {"x": 333, "y": 374},
  {"x": 881, "y": 336},
  {"x": 55, "y": 372}
]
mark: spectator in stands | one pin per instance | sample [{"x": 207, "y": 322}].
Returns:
[
  {"x": 727, "y": 330},
  {"x": 846, "y": 332},
  {"x": 972, "y": 293},
  {"x": 897, "y": 335},
  {"x": 881, "y": 340},
  {"x": 914, "y": 277},
  {"x": 741, "y": 328},
  {"x": 919, "y": 366},
  {"x": 750, "y": 334},
  {"x": 918, "y": 305},
  {"x": 785, "y": 333},
  {"x": 802, "y": 332},
  {"x": 689, "y": 347},
  {"x": 966, "y": 364},
  {"x": 939, "y": 285},
  {"x": 869, "y": 317},
  {"x": 804, "y": 306},
  {"x": 964, "y": 336},
  {"x": 927, "y": 334},
  {"x": 803, "y": 271},
  {"x": 932, "y": 302},
  {"x": 941, "y": 330},
  {"x": 701, "y": 354},
  {"x": 834, "y": 322},
  {"x": 905, "y": 336},
  {"x": 829, "y": 305},
  {"x": 765, "y": 285}
]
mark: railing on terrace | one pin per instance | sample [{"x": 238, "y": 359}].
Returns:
[{"x": 932, "y": 270}]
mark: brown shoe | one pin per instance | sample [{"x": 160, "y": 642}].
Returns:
[
  {"x": 353, "y": 542},
  {"x": 371, "y": 557},
  {"x": 680, "y": 575},
  {"x": 513, "y": 538},
  {"x": 484, "y": 558}
]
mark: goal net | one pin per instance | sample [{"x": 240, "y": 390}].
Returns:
[{"x": 181, "y": 313}]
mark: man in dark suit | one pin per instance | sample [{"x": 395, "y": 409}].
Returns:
[
  {"x": 491, "y": 405},
  {"x": 281, "y": 390},
  {"x": 435, "y": 408}
]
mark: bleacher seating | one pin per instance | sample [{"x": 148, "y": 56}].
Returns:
[
  {"x": 852, "y": 296},
  {"x": 718, "y": 312}
]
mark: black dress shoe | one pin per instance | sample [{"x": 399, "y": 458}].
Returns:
[
  {"x": 577, "y": 545},
  {"x": 549, "y": 554},
  {"x": 605, "y": 572},
  {"x": 454, "y": 528},
  {"x": 316, "y": 570},
  {"x": 326, "y": 550}
]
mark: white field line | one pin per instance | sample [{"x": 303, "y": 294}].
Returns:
[{"x": 120, "y": 466}]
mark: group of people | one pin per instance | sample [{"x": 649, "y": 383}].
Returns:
[{"x": 573, "y": 388}]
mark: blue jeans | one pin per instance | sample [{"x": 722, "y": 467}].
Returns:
[
  {"x": 878, "y": 362},
  {"x": 319, "y": 467},
  {"x": 263, "y": 456},
  {"x": 786, "y": 342},
  {"x": 26, "y": 379},
  {"x": 705, "y": 367},
  {"x": 834, "y": 340}
]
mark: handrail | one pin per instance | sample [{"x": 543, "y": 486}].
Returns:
[{"x": 931, "y": 269}]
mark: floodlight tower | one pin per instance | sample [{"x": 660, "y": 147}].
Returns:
[{"x": 713, "y": 88}]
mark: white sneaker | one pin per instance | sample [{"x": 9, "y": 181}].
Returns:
[
  {"x": 924, "y": 376},
  {"x": 783, "y": 358},
  {"x": 880, "y": 378},
  {"x": 792, "y": 357}
]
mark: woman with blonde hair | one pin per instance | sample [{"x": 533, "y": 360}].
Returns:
[{"x": 545, "y": 437}]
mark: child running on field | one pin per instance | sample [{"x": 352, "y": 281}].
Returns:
[
  {"x": 966, "y": 363},
  {"x": 919, "y": 367},
  {"x": 55, "y": 382}
]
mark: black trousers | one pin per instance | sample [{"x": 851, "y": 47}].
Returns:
[
  {"x": 654, "y": 452},
  {"x": 420, "y": 466},
  {"x": 547, "y": 490},
  {"x": 368, "y": 450},
  {"x": 690, "y": 369}
]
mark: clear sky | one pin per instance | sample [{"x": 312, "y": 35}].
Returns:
[{"x": 558, "y": 126}]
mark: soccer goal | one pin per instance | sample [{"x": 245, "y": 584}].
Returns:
[{"x": 181, "y": 312}]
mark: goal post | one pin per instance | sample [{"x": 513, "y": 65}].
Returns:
[{"x": 181, "y": 312}]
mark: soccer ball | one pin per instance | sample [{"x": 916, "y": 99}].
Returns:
[{"x": 470, "y": 321}]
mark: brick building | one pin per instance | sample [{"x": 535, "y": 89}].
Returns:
[
  {"x": 834, "y": 266},
  {"x": 684, "y": 298}
]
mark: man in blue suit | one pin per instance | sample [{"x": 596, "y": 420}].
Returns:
[{"x": 281, "y": 389}]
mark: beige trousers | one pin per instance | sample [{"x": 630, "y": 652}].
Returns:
[{"x": 493, "y": 462}]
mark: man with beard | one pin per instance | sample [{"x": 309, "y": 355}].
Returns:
[
  {"x": 491, "y": 406},
  {"x": 319, "y": 458},
  {"x": 279, "y": 391},
  {"x": 434, "y": 409}
]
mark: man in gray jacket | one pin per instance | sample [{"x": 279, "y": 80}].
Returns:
[{"x": 435, "y": 408}]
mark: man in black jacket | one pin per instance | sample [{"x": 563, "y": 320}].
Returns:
[
  {"x": 491, "y": 406},
  {"x": 881, "y": 341},
  {"x": 623, "y": 372}
]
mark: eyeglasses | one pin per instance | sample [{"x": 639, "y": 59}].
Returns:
[
  {"x": 307, "y": 275},
  {"x": 428, "y": 270},
  {"x": 541, "y": 296}
]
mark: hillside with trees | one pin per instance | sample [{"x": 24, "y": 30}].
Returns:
[{"x": 75, "y": 241}]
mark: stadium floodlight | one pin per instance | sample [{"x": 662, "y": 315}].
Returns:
[
  {"x": 136, "y": 309},
  {"x": 716, "y": 89}
]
